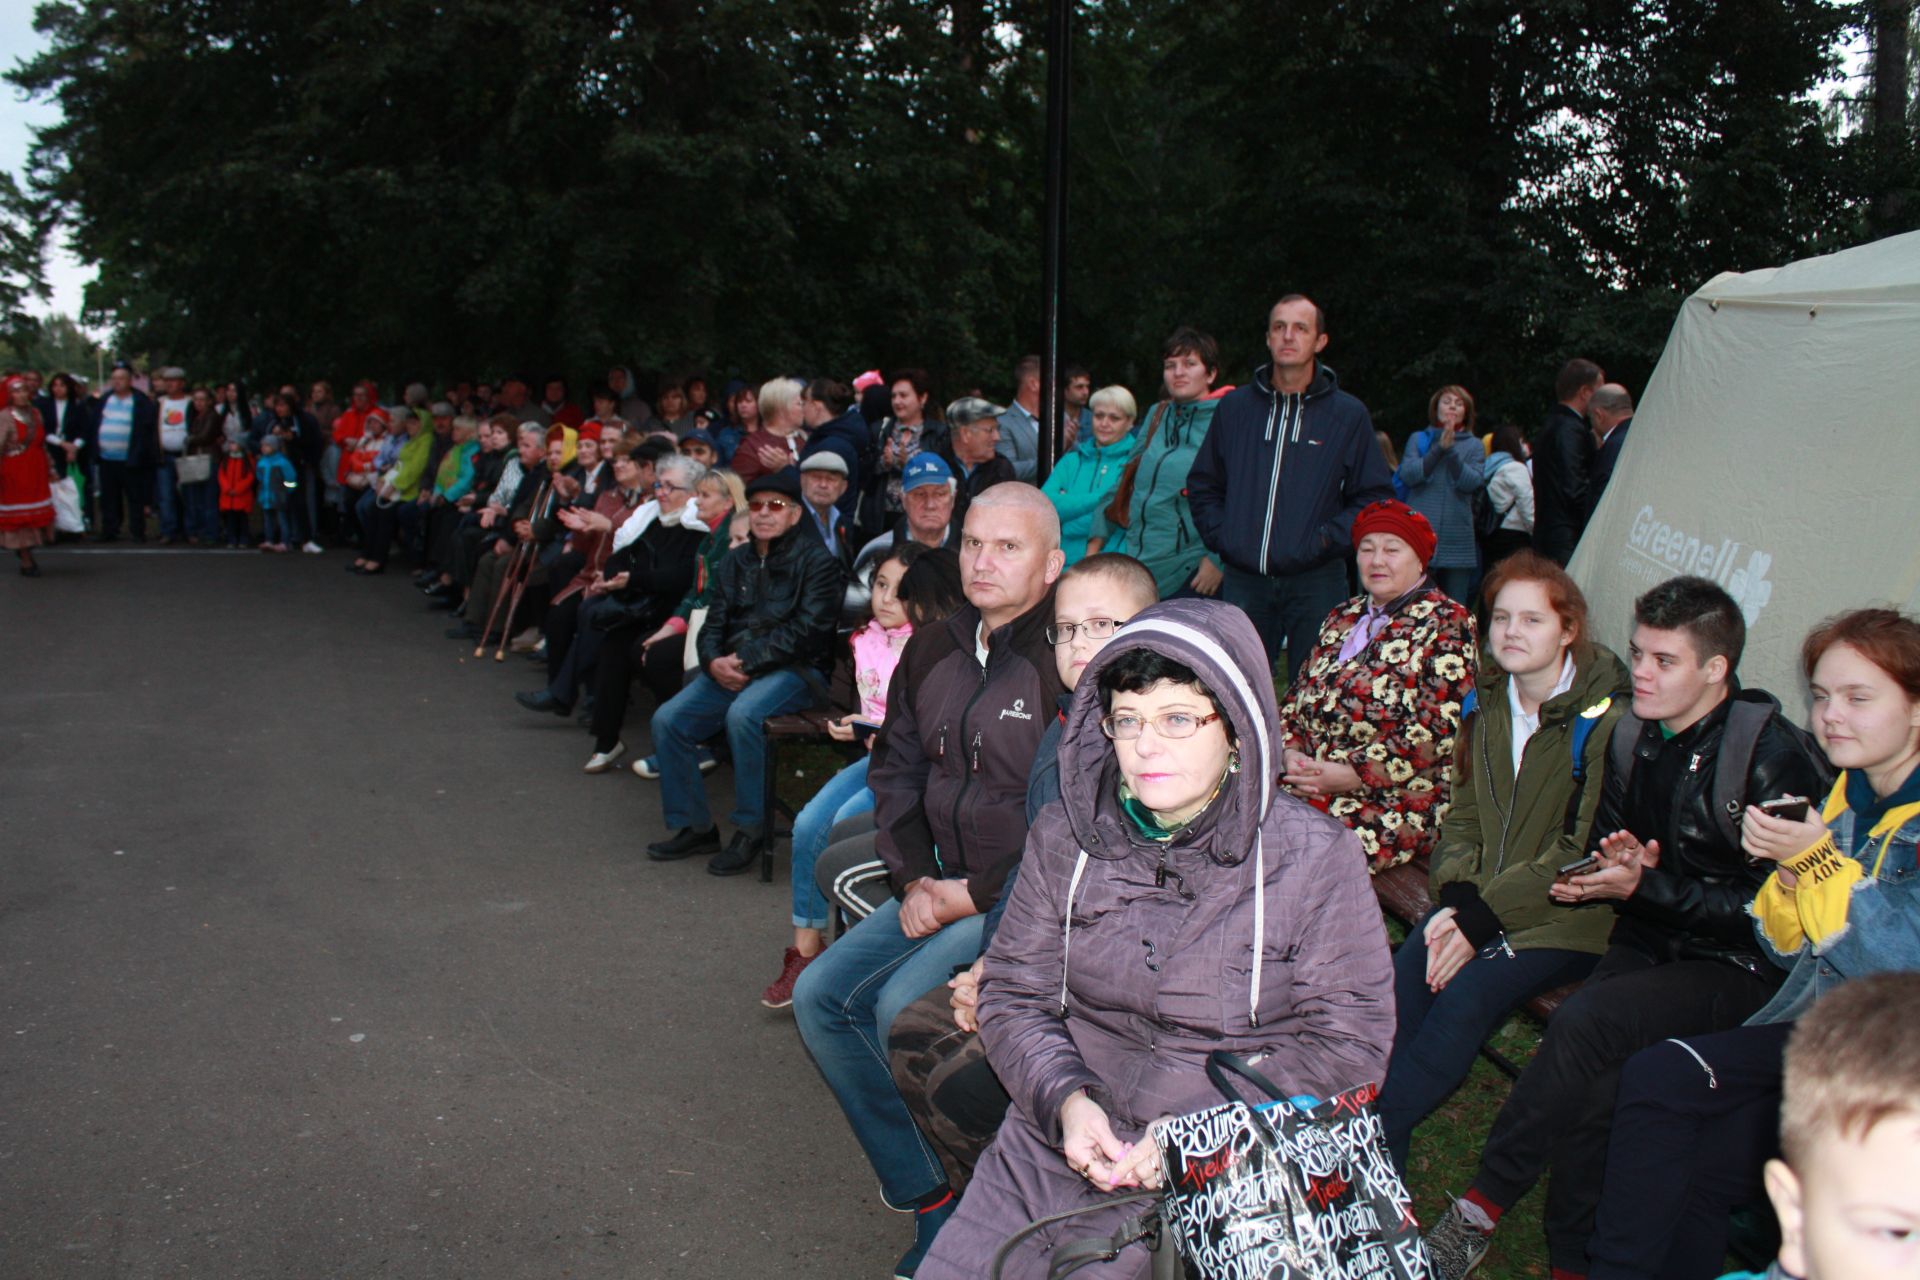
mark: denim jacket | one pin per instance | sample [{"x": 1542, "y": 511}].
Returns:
[{"x": 1855, "y": 908}]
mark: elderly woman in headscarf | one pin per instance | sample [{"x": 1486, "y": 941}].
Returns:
[
  {"x": 1173, "y": 902},
  {"x": 1370, "y": 720},
  {"x": 26, "y": 476}
]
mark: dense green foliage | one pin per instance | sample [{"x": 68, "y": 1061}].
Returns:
[{"x": 412, "y": 188}]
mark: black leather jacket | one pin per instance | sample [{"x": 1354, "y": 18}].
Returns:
[
  {"x": 775, "y": 611},
  {"x": 1693, "y": 906}
]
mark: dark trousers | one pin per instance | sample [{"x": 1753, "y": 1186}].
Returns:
[
  {"x": 1499, "y": 546},
  {"x": 384, "y": 524},
  {"x": 443, "y": 528},
  {"x": 1438, "y": 1034},
  {"x": 470, "y": 542},
  {"x": 1560, "y": 1112},
  {"x": 573, "y": 645},
  {"x": 123, "y": 487},
  {"x": 623, "y": 652},
  {"x": 1690, "y": 1137},
  {"x": 1287, "y": 610},
  {"x": 235, "y": 525}
]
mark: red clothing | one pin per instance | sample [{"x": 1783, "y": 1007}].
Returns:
[
  {"x": 568, "y": 415},
  {"x": 350, "y": 425},
  {"x": 746, "y": 458},
  {"x": 26, "y": 480},
  {"x": 236, "y": 484},
  {"x": 596, "y": 546}
]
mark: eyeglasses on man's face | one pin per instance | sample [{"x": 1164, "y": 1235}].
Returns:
[
  {"x": 760, "y": 506},
  {"x": 1092, "y": 629},
  {"x": 1122, "y": 727}
]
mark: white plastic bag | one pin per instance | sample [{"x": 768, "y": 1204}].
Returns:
[{"x": 66, "y": 507}]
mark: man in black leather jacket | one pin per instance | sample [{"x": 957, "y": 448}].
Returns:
[
  {"x": 1682, "y": 959},
  {"x": 765, "y": 649}
]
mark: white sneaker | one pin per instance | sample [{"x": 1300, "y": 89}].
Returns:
[
  {"x": 312, "y": 548},
  {"x": 526, "y": 642},
  {"x": 601, "y": 761}
]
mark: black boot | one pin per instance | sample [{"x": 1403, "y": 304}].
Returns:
[
  {"x": 685, "y": 845},
  {"x": 740, "y": 855}
]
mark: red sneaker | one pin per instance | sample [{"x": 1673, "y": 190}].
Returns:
[{"x": 780, "y": 994}]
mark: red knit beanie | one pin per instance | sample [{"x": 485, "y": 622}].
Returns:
[{"x": 1400, "y": 520}]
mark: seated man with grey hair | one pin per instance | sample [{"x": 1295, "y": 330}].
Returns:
[{"x": 968, "y": 705}]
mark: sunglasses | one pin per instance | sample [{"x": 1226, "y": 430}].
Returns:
[{"x": 763, "y": 505}]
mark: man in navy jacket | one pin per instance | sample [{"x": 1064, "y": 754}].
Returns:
[{"x": 1289, "y": 461}]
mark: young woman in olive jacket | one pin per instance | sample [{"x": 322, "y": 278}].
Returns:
[{"x": 1527, "y": 770}]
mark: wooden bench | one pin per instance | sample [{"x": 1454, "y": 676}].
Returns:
[
  {"x": 777, "y": 731},
  {"x": 1402, "y": 894}
]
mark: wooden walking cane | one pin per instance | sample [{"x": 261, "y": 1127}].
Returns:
[
  {"x": 543, "y": 494},
  {"x": 513, "y": 606},
  {"x": 500, "y": 596}
]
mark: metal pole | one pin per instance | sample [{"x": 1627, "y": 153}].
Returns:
[{"x": 1053, "y": 265}]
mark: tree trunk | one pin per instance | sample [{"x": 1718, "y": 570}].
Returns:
[{"x": 1893, "y": 150}]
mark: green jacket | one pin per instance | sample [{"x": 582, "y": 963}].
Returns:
[
  {"x": 1159, "y": 531},
  {"x": 411, "y": 467},
  {"x": 1498, "y": 854},
  {"x": 455, "y": 478}
]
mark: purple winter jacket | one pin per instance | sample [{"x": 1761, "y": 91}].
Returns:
[{"x": 1099, "y": 979}]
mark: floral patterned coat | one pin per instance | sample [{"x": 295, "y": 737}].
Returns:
[{"x": 1391, "y": 713}]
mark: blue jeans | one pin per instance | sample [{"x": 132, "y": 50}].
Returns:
[
  {"x": 845, "y": 1002},
  {"x": 273, "y": 526},
  {"x": 166, "y": 496},
  {"x": 1438, "y": 1034},
  {"x": 695, "y": 714},
  {"x": 844, "y": 796},
  {"x": 202, "y": 509},
  {"x": 1287, "y": 610}
]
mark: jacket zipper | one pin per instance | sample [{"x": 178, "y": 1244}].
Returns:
[
  {"x": 1273, "y": 481},
  {"x": 974, "y": 767}
]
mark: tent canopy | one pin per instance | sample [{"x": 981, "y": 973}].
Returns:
[{"x": 1772, "y": 452}]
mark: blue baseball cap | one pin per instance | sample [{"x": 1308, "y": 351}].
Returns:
[{"x": 924, "y": 468}]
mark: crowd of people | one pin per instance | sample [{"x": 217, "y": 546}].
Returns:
[{"x": 1125, "y": 742}]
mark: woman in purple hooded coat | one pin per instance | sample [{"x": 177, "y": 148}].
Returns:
[{"x": 1174, "y": 901}]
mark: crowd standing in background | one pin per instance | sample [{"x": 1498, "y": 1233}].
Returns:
[{"x": 1126, "y": 745}]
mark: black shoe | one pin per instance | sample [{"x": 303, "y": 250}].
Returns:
[
  {"x": 585, "y": 717},
  {"x": 543, "y": 701},
  {"x": 442, "y": 604},
  {"x": 686, "y": 844},
  {"x": 465, "y": 631},
  {"x": 740, "y": 855},
  {"x": 441, "y": 591}
]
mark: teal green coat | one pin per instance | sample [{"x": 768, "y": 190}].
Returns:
[
  {"x": 1159, "y": 531},
  {"x": 1084, "y": 482}
]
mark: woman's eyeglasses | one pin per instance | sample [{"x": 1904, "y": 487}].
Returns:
[
  {"x": 764, "y": 505},
  {"x": 1173, "y": 724},
  {"x": 1092, "y": 629}
]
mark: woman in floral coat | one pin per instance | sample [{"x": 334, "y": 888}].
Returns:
[{"x": 1370, "y": 722}]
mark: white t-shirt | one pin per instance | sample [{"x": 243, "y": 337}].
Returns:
[
  {"x": 173, "y": 424},
  {"x": 1524, "y": 725}
]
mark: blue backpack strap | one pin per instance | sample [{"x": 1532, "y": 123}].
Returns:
[
  {"x": 1583, "y": 727},
  {"x": 1469, "y": 704}
]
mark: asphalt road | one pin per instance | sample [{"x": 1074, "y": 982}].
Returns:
[{"x": 320, "y": 957}]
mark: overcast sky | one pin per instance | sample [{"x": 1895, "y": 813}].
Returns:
[{"x": 17, "y": 121}]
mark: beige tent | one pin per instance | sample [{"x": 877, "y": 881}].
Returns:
[{"x": 1774, "y": 452}]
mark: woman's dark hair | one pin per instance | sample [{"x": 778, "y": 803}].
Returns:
[
  {"x": 1138, "y": 670},
  {"x": 74, "y": 392},
  {"x": 1467, "y": 422},
  {"x": 930, "y": 588},
  {"x": 1185, "y": 340},
  {"x": 1509, "y": 439},
  {"x": 876, "y": 403},
  {"x": 831, "y": 394}
]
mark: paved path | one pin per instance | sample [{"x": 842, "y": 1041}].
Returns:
[{"x": 319, "y": 957}]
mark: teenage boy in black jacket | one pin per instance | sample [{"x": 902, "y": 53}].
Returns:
[{"x": 1682, "y": 959}]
